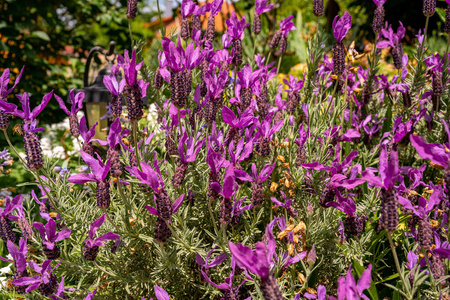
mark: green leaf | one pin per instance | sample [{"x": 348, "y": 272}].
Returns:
[
  {"x": 372, "y": 290},
  {"x": 41, "y": 35}
]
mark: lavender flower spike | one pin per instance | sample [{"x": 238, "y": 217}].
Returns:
[
  {"x": 50, "y": 237},
  {"x": 260, "y": 8},
  {"x": 19, "y": 256},
  {"x": 92, "y": 245},
  {"x": 162, "y": 231},
  {"x": 378, "y": 16},
  {"x": 4, "y": 91},
  {"x": 187, "y": 8},
  {"x": 45, "y": 281},
  {"x": 235, "y": 31},
  {"x": 340, "y": 28},
  {"x": 6, "y": 231},
  {"x": 153, "y": 179},
  {"x": 77, "y": 104},
  {"x": 26, "y": 114},
  {"x": 87, "y": 136},
  {"x": 186, "y": 156},
  {"x": 115, "y": 89},
  {"x": 280, "y": 37},
  {"x": 100, "y": 171},
  {"x": 257, "y": 262},
  {"x": 349, "y": 289},
  {"x": 388, "y": 173}
]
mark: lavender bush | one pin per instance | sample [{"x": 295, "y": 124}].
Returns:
[{"x": 331, "y": 185}]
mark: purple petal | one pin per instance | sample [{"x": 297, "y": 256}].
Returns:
[
  {"x": 161, "y": 294},
  {"x": 217, "y": 260},
  {"x": 96, "y": 225}
]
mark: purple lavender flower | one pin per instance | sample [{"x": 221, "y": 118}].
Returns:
[
  {"x": 181, "y": 63},
  {"x": 238, "y": 209},
  {"x": 393, "y": 40},
  {"x": 19, "y": 256},
  {"x": 388, "y": 172},
  {"x": 100, "y": 171},
  {"x": 115, "y": 89},
  {"x": 293, "y": 92},
  {"x": 287, "y": 204},
  {"x": 4, "y": 91},
  {"x": 236, "y": 123},
  {"x": 354, "y": 224},
  {"x": 265, "y": 133},
  {"x": 340, "y": 28},
  {"x": 153, "y": 178},
  {"x": 301, "y": 142},
  {"x": 134, "y": 89},
  {"x": 257, "y": 262},
  {"x": 50, "y": 237},
  {"x": 378, "y": 16},
  {"x": 349, "y": 289},
  {"x": 45, "y": 281},
  {"x": 342, "y": 175},
  {"x": 77, "y": 104},
  {"x": 22, "y": 221},
  {"x": 6, "y": 231},
  {"x": 260, "y": 8},
  {"x": 26, "y": 114},
  {"x": 216, "y": 6},
  {"x": 92, "y": 245},
  {"x": 215, "y": 86},
  {"x": 186, "y": 156},
  {"x": 114, "y": 140},
  {"x": 243, "y": 90},
  {"x": 280, "y": 36},
  {"x": 424, "y": 231},
  {"x": 87, "y": 136},
  {"x": 257, "y": 178},
  {"x": 235, "y": 32},
  {"x": 162, "y": 231},
  {"x": 228, "y": 189},
  {"x": 435, "y": 152},
  {"x": 187, "y": 8}
]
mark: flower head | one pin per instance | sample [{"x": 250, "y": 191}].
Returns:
[
  {"x": 49, "y": 234},
  {"x": 341, "y": 26},
  {"x": 388, "y": 170},
  {"x": 92, "y": 242},
  {"x": 26, "y": 113},
  {"x": 77, "y": 102},
  {"x": 262, "y": 7},
  {"x": 287, "y": 25},
  {"x": 4, "y": 80},
  {"x": 348, "y": 288},
  {"x": 98, "y": 168},
  {"x": 236, "y": 27}
]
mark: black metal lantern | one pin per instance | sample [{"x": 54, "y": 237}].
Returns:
[{"x": 97, "y": 96}]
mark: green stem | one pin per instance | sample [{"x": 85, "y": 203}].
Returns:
[
  {"x": 279, "y": 63},
  {"x": 397, "y": 264},
  {"x": 160, "y": 19},
  {"x": 130, "y": 32},
  {"x": 268, "y": 57}
]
